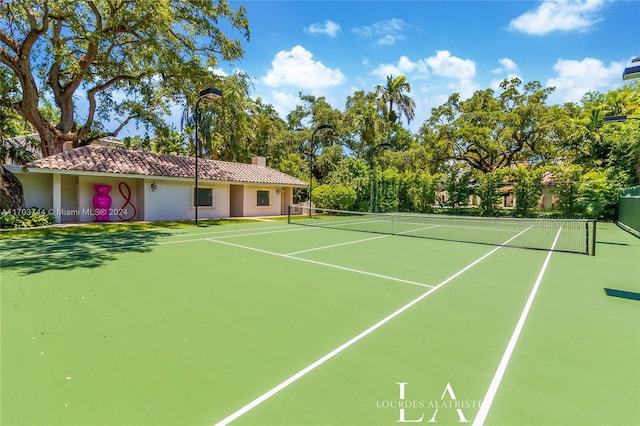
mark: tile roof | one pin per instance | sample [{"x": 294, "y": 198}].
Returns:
[{"x": 94, "y": 158}]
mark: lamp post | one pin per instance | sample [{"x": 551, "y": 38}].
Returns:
[
  {"x": 618, "y": 118},
  {"x": 208, "y": 94},
  {"x": 311, "y": 153},
  {"x": 632, "y": 72},
  {"x": 373, "y": 173}
]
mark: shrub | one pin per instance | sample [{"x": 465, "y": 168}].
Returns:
[
  {"x": 26, "y": 218},
  {"x": 339, "y": 197}
]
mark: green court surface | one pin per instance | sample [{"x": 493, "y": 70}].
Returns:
[{"x": 269, "y": 323}]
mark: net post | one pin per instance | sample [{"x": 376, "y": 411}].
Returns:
[
  {"x": 593, "y": 239},
  {"x": 289, "y": 214},
  {"x": 587, "y": 241}
]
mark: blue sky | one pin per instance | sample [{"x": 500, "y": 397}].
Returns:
[{"x": 332, "y": 48}]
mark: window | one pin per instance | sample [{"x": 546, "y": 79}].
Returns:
[
  {"x": 205, "y": 197},
  {"x": 263, "y": 198}
]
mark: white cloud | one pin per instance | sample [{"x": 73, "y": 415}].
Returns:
[
  {"x": 575, "y": 78},
  {"x": 387, "y": 32},
  {"x": 450, "y": 66},
  {"x": 559, "y": 15},
  {"x": 329, "y": 28},
  {"x": 297, "y": 68},
  {"x": 283, "y": 102},
  {"x": 403, "y": 67},
  {"x": 466, "y": 87},
  {"x": 218, "y": 71},
  {"x": 506, "y": 65}
]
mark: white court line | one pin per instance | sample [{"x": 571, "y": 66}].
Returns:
[
  {"x": 315, "y": 262},
  {"x": 419, "y": 229},
  {"x": 336, "y": 245},
  {"x": 504, "y": 362},
  {"x": 233, "y": 416}
]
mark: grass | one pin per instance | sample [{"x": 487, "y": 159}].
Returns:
[{"x": 111, "y": 227}]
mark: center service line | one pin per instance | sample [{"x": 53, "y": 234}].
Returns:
[
  {"x": 353, "y": 340},
  {"x": 504, "y": 362}
]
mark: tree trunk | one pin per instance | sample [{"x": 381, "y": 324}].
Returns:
[{"x": 11, "y": 192}]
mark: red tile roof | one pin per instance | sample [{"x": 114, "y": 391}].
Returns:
[{"x": 93, "y": 158}]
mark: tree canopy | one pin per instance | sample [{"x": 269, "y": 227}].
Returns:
[{"x": 130, "y": 60}]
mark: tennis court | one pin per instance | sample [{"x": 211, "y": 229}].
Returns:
[{"x": 271, "y": 323}]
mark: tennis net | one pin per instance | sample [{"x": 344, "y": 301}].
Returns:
[{"x": 575, "y": 235}]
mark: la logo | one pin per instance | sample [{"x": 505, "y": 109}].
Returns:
[{"x": 448, "y": 390}]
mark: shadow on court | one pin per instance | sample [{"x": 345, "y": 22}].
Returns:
[
  {"x": 631, "y": 295},
  {"x": 67, "y": 252}
]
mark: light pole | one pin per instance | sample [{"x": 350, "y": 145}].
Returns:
[
  {"x": 632, "y": 71},
  {"x": 618, "y": 118},
  {"x": 311, "y": 153},
  {"x": 373, "y": 173},
  {"x": 208, "y": 94}
]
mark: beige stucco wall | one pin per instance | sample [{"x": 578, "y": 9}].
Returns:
[
  {"x": 251, "y": 209},
  {"x": 170, "y": 199},
  {"x": 37, "y": 189},
  {"x": 174, "y": 200}
]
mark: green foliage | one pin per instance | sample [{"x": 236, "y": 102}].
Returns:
[
  {"x": 417, "y": 191},
  {"x": 395, "y": 94},
  {"x": 457, "y": 185},
  {"x": 487, "y": 190},
  {"x": 156, "y": 53},
  {"x": 494, "y": 130},
  {"x": 25, "y": 218},
  {"x": 386, "y": 187},
  {"x": 354, "y": 174},
  {"x": 566, "y": 184},
  {"x": 339, "y": 197},
  {"x": 598, "y": 196},
  {"x": 527, "y": 189}
]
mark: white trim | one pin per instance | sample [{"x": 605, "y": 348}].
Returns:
[{"x": 56, "y": 190}]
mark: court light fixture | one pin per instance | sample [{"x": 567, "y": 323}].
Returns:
[
  {"x": 208, "y": 94},
  {"x": 312, "y": 153},
  {"x": 631, "y": 72},
  {"x": 618, "y": 118}
]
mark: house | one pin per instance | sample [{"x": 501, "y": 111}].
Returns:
[{"x": 148, "y": 186}]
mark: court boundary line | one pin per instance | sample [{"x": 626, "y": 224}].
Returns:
[
  {"x": 315, "y": 262},
  {"x": 487, "y": 401},
  {"x": 259, "y": 400}
]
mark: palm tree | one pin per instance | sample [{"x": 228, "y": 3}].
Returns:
[{"x": 395, "y": 94}]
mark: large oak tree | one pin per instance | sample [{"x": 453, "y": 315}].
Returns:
[{"x": 126, "y": 60}]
